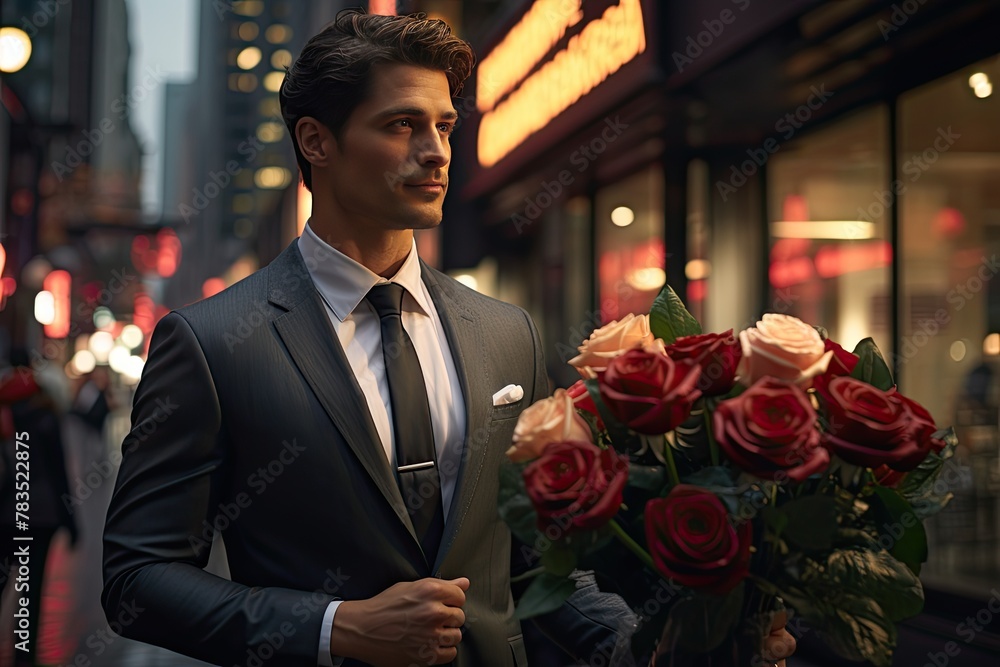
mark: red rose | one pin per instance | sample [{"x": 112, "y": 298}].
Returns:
[
  {"x": 576, "y": 485},
  {"x": 648, "y": 392},
  {"x": 770, "y": 431},
  {"x": 870, "y": 427},
  {"x": 692, "y": 542},
  {"x": 718, "y": 355},
  {"x": 843, "y": 362}
]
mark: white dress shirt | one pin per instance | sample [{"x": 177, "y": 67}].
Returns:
[{"x": 343, "y": 283}]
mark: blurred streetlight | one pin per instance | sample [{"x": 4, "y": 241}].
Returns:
[
  {"x": 100, "y": 345},
  {"x": 15, "y": 49}
]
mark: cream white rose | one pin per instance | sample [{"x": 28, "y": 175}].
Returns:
[
  {"x": 553, "y": 419},
  {"x": 783, "y": 347},
  {"x": 609, "y": 341}
]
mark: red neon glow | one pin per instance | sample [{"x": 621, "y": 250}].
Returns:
[
  {"x": 949, "y": 222},
  {"x": 697, "y": 290},
  {"x": 790, "y": 272},
  {"x": 142, "y": 313},
  {"x": 3, "y": 258},
  {"x": 7, "y": 287},
  {"x": 58, "y": 283},
  {"x": 212, "y": 286},
  {"x": 168, "y": 254},
  {"x": 795, "y": 208},
  {"x": 836, "y": 260},
  {"x": 143, "y": 258}
]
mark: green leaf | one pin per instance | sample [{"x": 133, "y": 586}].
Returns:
[
  {"x": 896, "y": 521},
  {"x": 546, "y": 593},
  {"x": 859, "y": 630},
  {"x": 775, "y": 519},
  {"x": 514, "y": 504},
  {"x": 559, "y": 561},
  {"x": 702, "y": 622},
  {"x": 652, "y": 479},
  {"x": 863, "y": 573},
  {"x": 669, "y": 319},
  {"x": 715, "y": 478},
  {"x": 811, "y": 522},
  {"x": 871, "y": 366},
  {"x": 722, "y": 481},
  {"x": 922, "y": 487}
]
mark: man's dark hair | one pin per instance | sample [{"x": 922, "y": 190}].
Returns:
[{"x": 330, "y": 77}]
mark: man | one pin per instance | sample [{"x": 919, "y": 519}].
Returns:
[{"x": 348, "y": 444}]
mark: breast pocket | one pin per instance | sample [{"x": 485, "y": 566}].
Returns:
[{"x": 509, "y": 411}]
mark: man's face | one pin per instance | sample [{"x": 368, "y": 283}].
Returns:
[{"x": 390, "y": 169}]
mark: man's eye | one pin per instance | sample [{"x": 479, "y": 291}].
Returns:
[
  {"x": 402, "y": 122},
  {"x": 447, "y": 128}
]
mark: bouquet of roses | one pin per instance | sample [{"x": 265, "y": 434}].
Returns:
[{"x": 712, "y": 479}]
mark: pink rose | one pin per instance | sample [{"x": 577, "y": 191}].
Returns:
[
  {"x": 552, "y": 419},
  {"x": 609, "y": 341},
  {"x": 783, "y": 347}
]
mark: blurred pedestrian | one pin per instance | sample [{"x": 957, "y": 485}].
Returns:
[{"x": 32, "y": 479}]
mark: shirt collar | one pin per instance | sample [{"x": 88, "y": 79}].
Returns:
[{"x": 343, "y": 282}]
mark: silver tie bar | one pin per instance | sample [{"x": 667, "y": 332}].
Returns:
[{"x": 416, "y": 466}]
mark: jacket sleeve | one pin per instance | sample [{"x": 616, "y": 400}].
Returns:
[{"x": 154, "y": 549}]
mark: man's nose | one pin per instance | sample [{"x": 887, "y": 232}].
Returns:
[{"x": 432, "y": 150}]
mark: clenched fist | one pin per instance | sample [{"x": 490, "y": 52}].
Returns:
[{"x": 414, "y": 622}]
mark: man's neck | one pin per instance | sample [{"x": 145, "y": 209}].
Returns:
[{"x": 382, "y": 252}]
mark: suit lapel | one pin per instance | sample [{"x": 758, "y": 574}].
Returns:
[
  {"x": 464, "y": 333},
  {"x": 313, "y": 345}
]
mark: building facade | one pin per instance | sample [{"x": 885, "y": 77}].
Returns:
[{"x": 829, "y": 160}]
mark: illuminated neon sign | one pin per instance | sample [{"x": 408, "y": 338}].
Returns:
[{"x": 591, "y": 56}]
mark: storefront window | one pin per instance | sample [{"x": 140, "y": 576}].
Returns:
[
  {"x": 949, "y": 165},
  {"x": 630, "y": 249},
  {"x": 830, "y": 255}
]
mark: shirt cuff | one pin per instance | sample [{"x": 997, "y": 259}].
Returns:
[{"x": 325, "y": 659}]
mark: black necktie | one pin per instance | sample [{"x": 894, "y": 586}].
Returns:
[{"x": 416, "y": 463}]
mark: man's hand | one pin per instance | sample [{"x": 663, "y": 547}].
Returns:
[
  {"x": 780, "y": 644},
  {"x": 414, "y": 622}
]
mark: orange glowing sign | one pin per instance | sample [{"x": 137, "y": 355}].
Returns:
[
  {"x": 591, "y": 56},
  {"x": 58, "y": 283},
  {"x": 524, "y": 46}
]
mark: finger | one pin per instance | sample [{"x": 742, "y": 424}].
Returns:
[
  {"x": 461, "y": 582},
  {"x": 456, "y": 618},
  {"x": 453, "y": 594},
  {"x": 444, "y": 656},
  {"x": 449, "y": 637},
  {"x": 778, "y": 646}
]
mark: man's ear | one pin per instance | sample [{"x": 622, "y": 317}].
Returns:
[{"x": 315, "y": 140}]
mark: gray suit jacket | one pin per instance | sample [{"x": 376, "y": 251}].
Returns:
[{"x": 249, "y": 420}]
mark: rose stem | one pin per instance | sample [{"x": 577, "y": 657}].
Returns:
[
  {"x": 671, "y": 464},
  {"x": 713, "y": 446},
  {"x": 632, "y": 545}
]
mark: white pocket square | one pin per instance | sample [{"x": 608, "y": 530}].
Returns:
[{"x": 512, "y": 393}]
